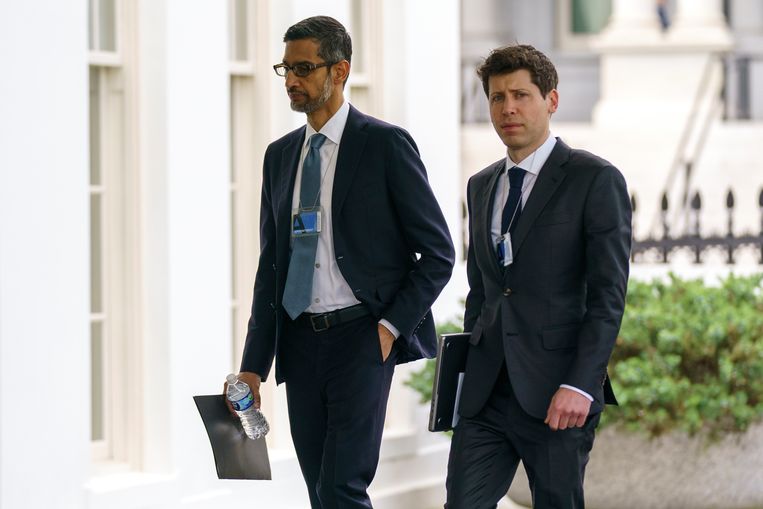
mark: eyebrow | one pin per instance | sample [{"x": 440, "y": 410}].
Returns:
[
  {"x": 300, "y": 62},
  {"x": 511, "y": 91}
]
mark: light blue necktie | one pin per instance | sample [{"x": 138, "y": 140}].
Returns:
[{"x": 299, "y": 279}]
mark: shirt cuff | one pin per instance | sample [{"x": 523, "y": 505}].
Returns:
[
  {"x": 590, "y": 398},
  {"x": 392, "y": 328}
]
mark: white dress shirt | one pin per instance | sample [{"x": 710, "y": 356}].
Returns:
[
  {"x": 532, "y": 164},
  {"x": 330, "y": 290}
]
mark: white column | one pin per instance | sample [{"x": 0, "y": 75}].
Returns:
[
  {"x": 409, "y": 30},
  {"x": 151, "y": 84},
  {"x": 44, "y": 255},
  {"x": 700, "y": 22},
  {"x": 633, "y": 23},
  {"x": 704, "y": 13},
  {"x": 197, "y": 174},
  {"x": 630, "y": 13},
  {"x": 431, "y": 113}
]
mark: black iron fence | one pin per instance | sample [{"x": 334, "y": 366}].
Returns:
[{"x": 661, "y": 248}]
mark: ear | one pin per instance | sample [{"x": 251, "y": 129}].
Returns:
[
  {"x": 340, "y": 71},
  {"x": 552, "y": 100}
]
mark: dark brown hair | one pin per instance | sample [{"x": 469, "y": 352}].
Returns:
[{"x": 512, "y": 58}]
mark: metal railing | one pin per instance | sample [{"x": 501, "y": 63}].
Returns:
[{"x": 661, "y": 248}]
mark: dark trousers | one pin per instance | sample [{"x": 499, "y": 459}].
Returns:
[
  {"x": 487, "y": 448},
  {"x": 337, "y": 388}
]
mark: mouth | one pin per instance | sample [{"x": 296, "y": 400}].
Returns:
[
  {"x": 296, "y": 95},
  {"x": 510, "y": 127}
]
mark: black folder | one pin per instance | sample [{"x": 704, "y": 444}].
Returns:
[
  {"x": 236, "y": 455},
  {"x": 452, "y": 350}
]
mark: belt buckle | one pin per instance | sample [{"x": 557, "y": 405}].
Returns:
[{"x": 317, "y": 326}]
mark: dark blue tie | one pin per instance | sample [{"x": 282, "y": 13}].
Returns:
[
  {"x": 513, "y": 208},
  {"x": 299, "y": 279}
]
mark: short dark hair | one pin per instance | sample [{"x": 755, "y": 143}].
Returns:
[
  {"x": 507, "y": 59},
  {"x": 334, "y": 43}
]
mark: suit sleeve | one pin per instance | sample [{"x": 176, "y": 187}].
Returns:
[
  {"x": 424, "y": 230},
  {"x": 259, "y": 348},
  {"x": 476, "y": 295},
  {"x": 607, "y": 220}
]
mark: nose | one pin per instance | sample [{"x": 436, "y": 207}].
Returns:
[
  {"x": 290, "y": 79},
  {"x": 509, "y": 106}
]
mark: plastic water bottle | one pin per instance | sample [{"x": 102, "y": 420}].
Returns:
[{"x": 240, "y": 396}]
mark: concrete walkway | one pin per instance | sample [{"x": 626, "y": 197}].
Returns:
[{"x": 507, "y": 503}]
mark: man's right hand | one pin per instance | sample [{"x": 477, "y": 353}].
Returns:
[{"x": 253, "y": 380}]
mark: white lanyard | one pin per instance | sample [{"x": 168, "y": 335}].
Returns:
[{"x": 324, "y": 171}]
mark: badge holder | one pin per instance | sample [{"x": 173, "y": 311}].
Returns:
[
  {"x": 505, "y": 252},
  {"x": 306, "y": 222}
]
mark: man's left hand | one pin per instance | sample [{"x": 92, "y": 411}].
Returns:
[
  {"x": 568, "y": 409},
  {"x": 386, "y": 338}
]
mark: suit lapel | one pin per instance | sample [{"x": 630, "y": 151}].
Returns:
[
  {"x": 348, "y": 161},
  {"x": 549, "y": 178},
  {"x": 483, "y": 219},
  {"x": 290, "y": 160}
]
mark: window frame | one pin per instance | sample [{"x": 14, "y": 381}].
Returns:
[
  {"x": 361, "y": 84},
  {"x": 118, "y": 188},
  {"x": 244, "y": 67}
]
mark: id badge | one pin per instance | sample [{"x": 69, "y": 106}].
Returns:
[
  {"x": 306, "y": 222},
  {"x": 505, "y": 252}
]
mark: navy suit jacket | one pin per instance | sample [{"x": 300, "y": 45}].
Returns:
[
  {"x": 391, "y": 240},
  {"x": 553, "y": 315}
]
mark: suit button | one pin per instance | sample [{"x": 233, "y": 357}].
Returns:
[{"x": 507, "y": 292}]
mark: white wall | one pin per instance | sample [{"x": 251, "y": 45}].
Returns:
[
  {"x": 44, "y": 239},
  {"x": 430, "y": 76},
  {"x": 198, "y": 173}
]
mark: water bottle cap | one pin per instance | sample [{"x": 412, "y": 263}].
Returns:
[{"x": 231, "y": 379}]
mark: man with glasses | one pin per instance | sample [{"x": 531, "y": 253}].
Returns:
[{"x": 354, "y": 251}]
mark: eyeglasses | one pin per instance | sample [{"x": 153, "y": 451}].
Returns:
[{"x": 301, "y": 69}]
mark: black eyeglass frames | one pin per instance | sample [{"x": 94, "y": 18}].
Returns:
[{"x": 300, "y": 69}]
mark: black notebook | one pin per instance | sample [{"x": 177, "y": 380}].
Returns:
[
  {"x": 452, "y": 350},
  {"x": 236, "y": 455}
]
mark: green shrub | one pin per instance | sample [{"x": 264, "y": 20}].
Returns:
[{"x": 689, "y": 357}]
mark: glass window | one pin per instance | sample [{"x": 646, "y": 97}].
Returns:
[
  {"x": 97, "y": 432},
  {"x": 95, "y": 128},
  {"x": 590, "y": 16},
  {"x": 90, "y": 31},
  {"x": 96, "y": 252},
  {"x": 112, "y": 201},
  {"x": 240, "y": 24},
  {"x": 242, "y": 30},
  {"x": 102, "y": 19},
  {"x": 97, "y": 309},
  {"x": 107, "y": 24}
]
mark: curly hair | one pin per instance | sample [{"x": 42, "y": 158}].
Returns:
[{"x": 507, "y": 59}]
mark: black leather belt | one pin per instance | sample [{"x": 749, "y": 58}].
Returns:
[{"x": 323, "y": 321}]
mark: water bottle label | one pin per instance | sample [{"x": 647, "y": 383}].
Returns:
[{"x": 243, "y": 403}]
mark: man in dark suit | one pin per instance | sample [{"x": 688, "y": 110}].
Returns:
[
  {"x": 549, "y": 243},
  {"x": 354, "y": 251}
]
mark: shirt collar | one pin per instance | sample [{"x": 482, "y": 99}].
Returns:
[
  {"x": 535, "y": 161},
  {"x": 332, "y": 129}
]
